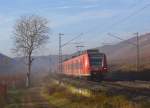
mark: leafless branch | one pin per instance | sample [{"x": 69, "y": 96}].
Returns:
[{"x": 30, "y": 33}]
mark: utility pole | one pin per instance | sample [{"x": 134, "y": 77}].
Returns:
[
  {"x": 60, "y": 53},
  {"x": 137, "y": 45},
  {"x": 138, "y": 52},
  {"x": 50, "y": 70},
  {"x": 63, "y": 45}
]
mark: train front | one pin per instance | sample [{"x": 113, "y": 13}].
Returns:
[{"x": 98, "y": 65}]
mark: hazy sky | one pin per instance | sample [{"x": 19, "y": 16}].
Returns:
[{"x": 93, "y": 18}]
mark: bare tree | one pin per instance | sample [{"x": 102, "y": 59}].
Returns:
[{"x": 30, "y": 33}]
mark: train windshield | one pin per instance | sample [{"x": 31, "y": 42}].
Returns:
[{"x": 96, "y": 60}]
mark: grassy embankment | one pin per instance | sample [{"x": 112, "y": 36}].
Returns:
[
  {"x": 14, "y": 98},
  {"x": 128, "y": 71},
  {"x": 128, "y": 66},
  {"x": 2, "y": 101},
  {"x": 64, "y": 98}
]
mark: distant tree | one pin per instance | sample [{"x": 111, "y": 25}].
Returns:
[{"x": 30, "y": 33}]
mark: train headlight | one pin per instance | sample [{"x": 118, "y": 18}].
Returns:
[{"x": 105, "y": 68}]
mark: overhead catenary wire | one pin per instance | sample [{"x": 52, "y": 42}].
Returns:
[
  {"x": 76, "y": 37},
  {"x": 136, "y": 45},
  {"x": 112, "y": 25},
  {"x": 117, "y": 37},
  {"x": 131, "y": 15},
  {"x": 62, "y": 45},
  {"x": 123, "y": 20},
  {"x": 120, "y": 21}
]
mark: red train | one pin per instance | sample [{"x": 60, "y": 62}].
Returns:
[{"x": 90, "y": 63}]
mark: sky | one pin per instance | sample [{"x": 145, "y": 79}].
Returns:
[{"x": 94, "y": 19}]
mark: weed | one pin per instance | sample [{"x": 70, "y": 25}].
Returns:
[{"x": 62, "y": 98}]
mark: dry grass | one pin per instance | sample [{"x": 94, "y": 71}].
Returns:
[
  {"x": 126, "y": 71},
  {"x": 126, "y": 66},
  {"x": 2, "y": 101},
  {"x": 14, "y": 98},
  {"x": 62, "y": 98}
]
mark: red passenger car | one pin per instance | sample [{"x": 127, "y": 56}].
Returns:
[{"x": 89, "y": 63}]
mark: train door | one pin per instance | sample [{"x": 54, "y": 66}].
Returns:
[
  {"x": 78, "y": 67},
  {"x": 86, "y": 65}
]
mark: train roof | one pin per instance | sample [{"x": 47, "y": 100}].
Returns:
[{"x": 89, "y": 51}]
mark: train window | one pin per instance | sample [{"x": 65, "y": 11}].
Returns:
[{"x": 96, "y": 61}]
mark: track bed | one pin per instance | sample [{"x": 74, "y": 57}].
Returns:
[{"x": 135, "y": 90}]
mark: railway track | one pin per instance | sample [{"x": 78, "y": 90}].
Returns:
[
  {"x": 128, "y": 89},
  {"x": 124, "y": 84},
  {"x": 135, "y": 90}
]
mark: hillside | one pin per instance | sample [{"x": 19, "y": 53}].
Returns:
[
  {"x": 11, "y": 71},
  {"x": 42, "y": 63},
  {"x": 124, "y": 52},
  {"x": 127, "y": 52},
  {"x": 7, "y": 65}
]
